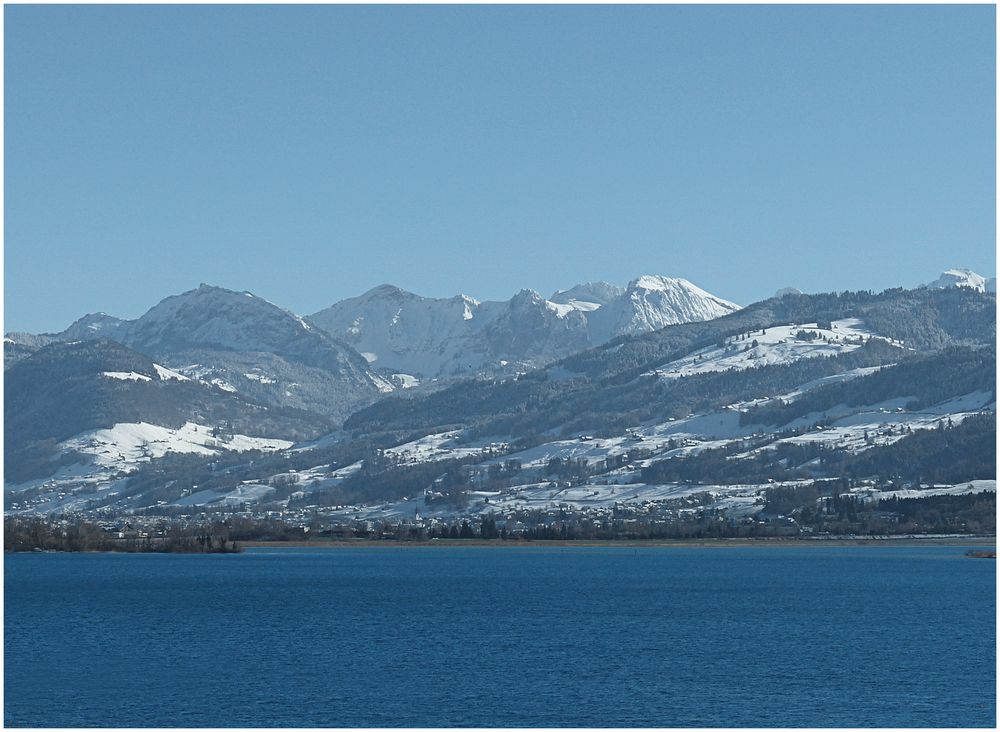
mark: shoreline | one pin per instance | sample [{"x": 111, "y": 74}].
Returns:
[{"x": 908, "y": 541}]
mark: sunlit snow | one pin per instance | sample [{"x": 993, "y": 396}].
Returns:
[
  {"x": 126, "y": 376},
  {"x": 167, "y": 374},
  {"x": 769, "y": 346},
  {"x": 131, "y": 442}
]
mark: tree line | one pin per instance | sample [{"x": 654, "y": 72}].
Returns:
[{"x": 76, "y": 535}]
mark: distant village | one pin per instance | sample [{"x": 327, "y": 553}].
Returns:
[{"x": 778, "y": 514}]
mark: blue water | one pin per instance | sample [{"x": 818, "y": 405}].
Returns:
[{"x": 432, "y": 637}]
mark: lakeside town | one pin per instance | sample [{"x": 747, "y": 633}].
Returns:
[{"x": 776, "y": 514}]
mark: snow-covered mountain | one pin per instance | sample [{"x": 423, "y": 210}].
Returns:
[
  {"x": 400, "y": 331},
  {"x": 652, "y": 302},
  {"x": 440, "y": 338},
  {"x": 963, "y": 278},
  {"x": 244, "y": 343}
]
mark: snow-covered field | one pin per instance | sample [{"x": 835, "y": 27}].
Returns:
[
  {"x": 973, "y": 486},
  {"x": 246, "y": 493},
  {"x": 206, "y": 375},
  {"x": 128, "y": 443},
  {"x": 770, "y": 346},
  {"x": 109, "y": 452},
  {"x": 436, "y": 447}
]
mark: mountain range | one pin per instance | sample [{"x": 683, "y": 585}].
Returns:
[
  {"x": 218, "y": 397},
  {"x": 403, "y": 338},
  {"x": 430, "y": 338}
]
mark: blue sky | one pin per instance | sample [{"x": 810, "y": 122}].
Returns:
[{"x": 309, "y": 153}]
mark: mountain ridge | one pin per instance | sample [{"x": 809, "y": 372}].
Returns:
[{"x": 461, "y": 336}]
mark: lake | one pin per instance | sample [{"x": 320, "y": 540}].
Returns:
[{"x": 485, "y": 637}]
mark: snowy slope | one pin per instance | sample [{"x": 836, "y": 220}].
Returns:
[
  {"x": 126, "y": 444},
  {"x": 68, "y": 389},
  {"x": 94, "y": 464},
  {"x": 588, "y": 296},
  {"x": 420, "y": 336},
  {"x": 769, "y": 346},
  {"x": 652, "y": 302}
]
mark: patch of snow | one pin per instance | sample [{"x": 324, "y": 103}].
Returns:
[
  {"x": 406, "y": 381},
  {"x": 333, "y": 438},
  {"x": 583, "y": 305},
  {"x": 588, "y": 296},
  {"x": 973, "y": 486},
  {"x": 383, "y": 385},
  {"x": 433, "y": 447},
  {"x": 561, "y": 310},
  {"x": 247, "y": 493},
  {"x": 200, "y": 498},
  {"x": 167, "y": 374},
  {"x": 126, "y": 376},
  {"x": 260, "y": 378}
]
